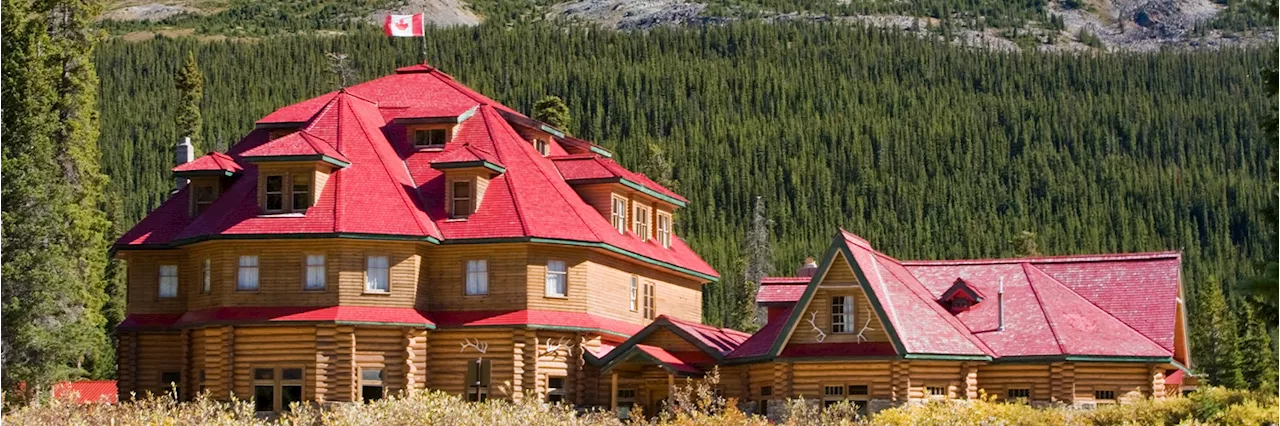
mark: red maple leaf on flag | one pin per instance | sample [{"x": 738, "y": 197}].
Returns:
[{"x": 402, "y": 24}]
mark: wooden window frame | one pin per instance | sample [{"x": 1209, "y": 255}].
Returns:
[
  {"x": 543, "y": 147},
  {"x": 618, "y": 218},
  {"x": 267, "y": 193},
  {"x": 293, "y": 193},
  {"x": 257, "y": 273},
  {"x": 628, "y": 402},
  {"x": 564, "y": 277},
  {"x": 828, "y": 398},
  {"x": 640, "y": 221},
  {"x": 274, "y": 134},
  {"x": 1027, "y": 387},
  {"x": 635, "y": 293},
  {"x": 362, "y": 382},
  {"x": 171, "y": 387},
  {"x": 411, "y": 135},
  {"x": 306, "y": 272},
  {"x": 453, "y": 198},
  {"x": 557, "y": 391},
  {"x": 946, "y": 390},
  {"x": 196, "y": 202},
  {"x": 160, "y": 280},
  {"x": 846, "y": 322},
  {"x": 367, "y": 258},
  {"x": 277, "y": 383},
  {"x": 466, "y": 277},
  {"x": 470, "y": 389},
  {"x": 1115, "y": 396},
  {"x": 664, "y": 232},
  {"x": 650, "y": 300},
  {"x": 206, "y": 275}
]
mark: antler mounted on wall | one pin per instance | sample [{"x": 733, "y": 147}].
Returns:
[
  {"x": 554, "y": 348},
  {"x": 479, "y": 345},
  {"x": 821, "y": 334},
  {"x": 865, "y": 327}
]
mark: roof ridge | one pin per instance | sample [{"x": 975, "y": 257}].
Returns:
[
  {"x": 937, "y": 309},
  {"x": 404, "y": 198},
  {"x": 311, "y": 121},
  {"x": 1040, "y": 304},
  {"x": 1068, "y": 288},
  {"x": 511, "y": 190},
  {"x": 1070, "y": 258}
]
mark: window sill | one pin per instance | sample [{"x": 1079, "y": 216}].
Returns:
[
  {"x": 271, "y": 215},
  {"x": 246, "y": 290},
  {"x": 315, "y": 290},
  {"x": 555, "y": 296},
  {"x": 428, "y": 148},
  {"x": 455, "y": 219},
  {"x": 376, "y": 293},
  {"x": 476, "y": 295}
]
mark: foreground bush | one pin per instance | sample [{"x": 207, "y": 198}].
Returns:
[{"x": 695, "y": 404}]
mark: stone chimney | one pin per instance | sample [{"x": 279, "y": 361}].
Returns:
[
  {"x": 808, "y": 269},
  {"x": 184, "y": 154}
]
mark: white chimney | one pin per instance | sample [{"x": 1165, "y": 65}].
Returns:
[
  {"x": 1000, "y": 302},
  {"x": 183, "y": 155}
]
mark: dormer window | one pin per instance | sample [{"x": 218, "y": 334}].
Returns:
[
  {"x": 664, "y": 229},
  {"x": 301, "y": 191},
  {"x": 274, "y": 188},
  {"x": 274, "y": 134},
  {"x": 202, "y": 196},
  {"x": 960, "y": 297},
  {"x": 430, "y": 138},
  {"x": 641, "y": 225},
  {"x": 461, "y": 199},
  {"x": 542, "y": 146},
  {"x": 619, "y": 214}
]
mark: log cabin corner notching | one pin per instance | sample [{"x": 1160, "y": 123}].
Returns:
[{"x": 410, "y": 233}]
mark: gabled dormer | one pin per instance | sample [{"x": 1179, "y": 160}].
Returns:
[
  {"x": 960, "y": 296},
  {"x": 467, "y": 172},
  {"x": 292, "y": 171},
  {"x": 207, "y": 176},
  {"x": 544, "y": 138},
  {"x": 634, "y": 204},
  {"x": 431, "y": 128}
]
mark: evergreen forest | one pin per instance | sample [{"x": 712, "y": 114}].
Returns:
[{"x": 926, "y": 149}]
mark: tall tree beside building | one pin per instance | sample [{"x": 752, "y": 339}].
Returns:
[
  {"x": 658, "y": 167},
  {"x": 759, "y": 255},
  {"x": 190, "y": 84},
  {"x": 1214, "y": 338},
  {"x": 1259, "y": 366},
  {"x": 552, "y": 110}
]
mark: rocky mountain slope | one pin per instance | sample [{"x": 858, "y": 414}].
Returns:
[{"x": 1056, "y": 25}]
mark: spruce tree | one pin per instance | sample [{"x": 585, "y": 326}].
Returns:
[
  {"x": 1215, "y": 339},
  {"x": 658, "y": 167},
  {"x": 553, "y": 111},
  {"x": 190, "y": 85},
  {"x": 1259, "y": 366},
  {"x": 759, "y": 259}
]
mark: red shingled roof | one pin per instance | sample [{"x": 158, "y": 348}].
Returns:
[
  {"x": 780, "y": 293},
  {"x": 390, "y": 188},
  {"x": 211, "y": 162},
  {"x": 722, "y": 340},
  {"x": 465, "y": 154},
  {"x": 594, "y": 168},
  {"x": 575, "y": 320},
  {"x": 1054, "y": 306},
  {"x": 683, "y": 364},
  {"x": 264, "y": 314},
  {"x": 87, "y": 391},
  {"x": 785, "y": 280}
]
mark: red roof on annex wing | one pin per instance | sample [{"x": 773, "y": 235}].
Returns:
[
  {"x": 594, "y": 167},
  {"x": 211, "y": 162},
  {"x": 388, "y": 187},
  {"x": 780, "y": 293}
]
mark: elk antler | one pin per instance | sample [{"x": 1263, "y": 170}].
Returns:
[
  {"x": 865, "y": 328},
  {"x": 552, "y": 349},
  {"x": 821, "y": 335},
  {"x": 479, "y": 345}
]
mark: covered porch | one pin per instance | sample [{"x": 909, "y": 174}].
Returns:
[{"x": 643, "y": 378}]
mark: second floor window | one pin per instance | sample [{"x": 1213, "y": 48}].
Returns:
[
  {"x": 377, "y": 275},
  {"x": 650, "y": 302},
  {"x": 315, "y": 272},
  {"x": 301, "y": 191},
  {"x": 206, "y": 269},
  {"x": 841, "y": 314},
  {"x": 461, "y": 202},
  {"x": 664, "y": 230},
  {"x": 274, "y": 193},
  {"x": 618, "y": 216},
  {"x": 247, "y": 279},
  {"x": 168, "y": 281},
  {"x": 203, "y": 197},
  {"x": 641, "y": 225},
  {"x": 557, "y": 278},
  {"x": 477, "y": 277},
  {"x": 542, "y": 146},
  {"x": 635, "y": 292},
  {"x": 429, "y": 137}
]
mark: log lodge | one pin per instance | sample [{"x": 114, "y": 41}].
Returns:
[{"x": 410, "y": 233}]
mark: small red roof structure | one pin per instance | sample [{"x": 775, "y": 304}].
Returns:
[
  {"x": 714, "y": 344},
  {"x": 594, "y": 168},
  {"x": 297, "y": 145},
  {"x": 87, "y": 391},
  {"x": 214, "y": 163},
  {"x": 776, "y": 294}
]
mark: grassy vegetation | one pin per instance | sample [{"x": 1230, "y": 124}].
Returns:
[{"x": 693, "y": 403}]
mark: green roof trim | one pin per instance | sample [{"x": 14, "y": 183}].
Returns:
[
  {"x": 552, "y": 130},
  {"x": 469, "y": 164},
  {"x": 196, "y": 173},
  {"x": 278, "y": 158},
  {"x": 1084, "y": 358},
  {"x": 650, "y": 192},
  {"x": 945, "y": 357},
  {"x": 601, "y": 151},
  {"x": 662, "y": 323},
  {"x": 576, "y": 243}
]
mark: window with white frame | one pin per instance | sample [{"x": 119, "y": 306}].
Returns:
[
  {"x": 619, "y": 214},
  {"x": 206, "y": 272},
  {"x": 841, "y": 314},
  {"x": 247, "y": 278},
  {"x": 371, "y": 388},
  {"x": 168, "y": 281},
  {"x": 377, "y": 274},
  {"x": 664, "y": 229},
  {"x": 315, "y": 272},
  {"x": 635, "y": 292},
  {"x": 542, "y": 146},
  {"x": 461, "y": 202},
  {"x": 650, "y": 301},
  {"x": 557, "y": 278},
  {"x": 641, "y": 222},
  {"x": 477, "y": 277},
  {"x": 936, "y": 391}
]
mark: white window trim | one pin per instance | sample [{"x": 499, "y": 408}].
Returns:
[
  {"x": 482, "y": 275},
  {"x": 167, "y": 281},
  {"x": 454, "y": 198},
  {"x": 618, "y": 213},
  {"x": 664, "y": 229},
  {"x": 369, "y": 268},
  {"x": 306, "y": 272},
  {"x": 242, "y": 269},
  {"x": 846, "y": 317},
  {"x": 563, "y": 276},
  {"x": 206, "y": 271},
  {"x": 640, "y": 222},
  {"x": 635, "y": 293}
]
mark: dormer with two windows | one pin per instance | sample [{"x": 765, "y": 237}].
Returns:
[
  {"x": 292, "y": 171},
  {"x": 634, "y": 204}
]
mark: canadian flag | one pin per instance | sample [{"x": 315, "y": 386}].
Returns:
[{"x": 403, "y": 25}]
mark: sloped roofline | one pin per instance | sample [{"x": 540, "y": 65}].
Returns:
[
  {"x": 1119, "y": 257},
  {"x": 665, "y": 323}
]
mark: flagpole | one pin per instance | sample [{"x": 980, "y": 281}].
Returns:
[{"x": 424, "y": 38}]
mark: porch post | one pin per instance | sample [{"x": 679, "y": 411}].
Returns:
[
  {"x": 671, "y": 384},
  {"x": 613, "y": 391}
]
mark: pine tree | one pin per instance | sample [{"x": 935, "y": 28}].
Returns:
[
  {"x": 190, "y": 85},
  {"x": 553, "y": 111},
  {"x": 1259, "y": 366},
  {"x": 759, "y": 259},
  {"x": 658, "y": 167},
  {"x": 1024, "y": 244},
  {"x": 1214, "y": 337}
]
